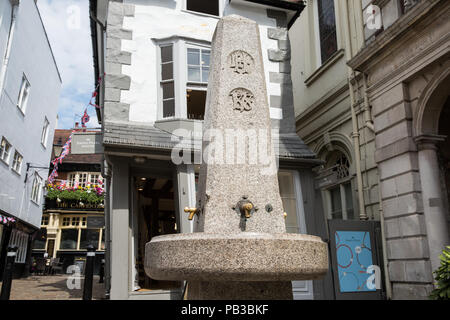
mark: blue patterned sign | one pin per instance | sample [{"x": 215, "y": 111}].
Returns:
[{"x": 354, "y": 256}]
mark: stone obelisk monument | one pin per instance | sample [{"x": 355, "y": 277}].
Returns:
[
  {"x": 237, "y": 103},
  {"x": 240, "y": 248}
]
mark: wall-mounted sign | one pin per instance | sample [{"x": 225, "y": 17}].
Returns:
[
  {"x": 87, "y": 143},
  {"x": 95, "y": 222}
]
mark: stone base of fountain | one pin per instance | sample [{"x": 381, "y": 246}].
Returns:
[
  {"x": 239, "y": 266},
  {"x": 232, "y": 290}
]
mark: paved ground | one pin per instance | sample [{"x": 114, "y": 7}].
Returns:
[{"x": 52, "y": 288}]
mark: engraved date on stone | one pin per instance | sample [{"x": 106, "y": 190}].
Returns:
[
  {"x": 241, "y": 62},
  {"x": 243, "y": 99}
]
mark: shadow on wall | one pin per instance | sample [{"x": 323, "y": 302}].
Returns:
[{"x": 171, "y": 4}]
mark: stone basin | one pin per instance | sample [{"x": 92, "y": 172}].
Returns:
[{"x": 242, "y": 256}]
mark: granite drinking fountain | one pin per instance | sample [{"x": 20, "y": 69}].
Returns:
[{"x": 240, "y": 248}]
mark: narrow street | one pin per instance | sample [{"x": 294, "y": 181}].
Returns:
[{"x": 52, "y": 288}]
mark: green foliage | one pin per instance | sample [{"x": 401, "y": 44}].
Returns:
[
  {"x": 442, "y": 277},
  {"x": 75, "y": 195}
]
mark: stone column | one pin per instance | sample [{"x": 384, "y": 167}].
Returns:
[
  {"x": 434, "y": 211},
  {"x": 120, "y": 230}
]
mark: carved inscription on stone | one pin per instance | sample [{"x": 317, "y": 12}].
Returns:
[
  {"x": 243, "y": 99},
  {"x": 241, "y": 62}
]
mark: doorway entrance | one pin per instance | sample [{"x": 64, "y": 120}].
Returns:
[{"x": 154, "y": 215}]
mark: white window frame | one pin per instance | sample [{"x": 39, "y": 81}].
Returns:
[
  {"x": 327, "y": 197},
  {"x": 45, "y": 131},
  {"x": 36, "y": 189},
  {"x": 196, "y": 85},
  {"x": 74, "y": 177},
  {"x": 21, "y": 101},
  {"x": 160, "y": 113},
  {"x": 221, "y": 7},
  {"x": 20, "y": 240},
  {"x": 15, "y": 168},
  {"x": 4, "y": 143},
  {"x": 180, "y": 69}
]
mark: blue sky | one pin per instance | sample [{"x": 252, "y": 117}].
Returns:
[{"x": 68, "y": 28}]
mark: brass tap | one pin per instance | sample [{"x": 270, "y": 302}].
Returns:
[
  {"x": 285, "y": 215},
  {"x": 248, "y": 207},
  {"x": 192, "y": 212}
]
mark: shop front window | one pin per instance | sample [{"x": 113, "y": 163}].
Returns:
[
  {"x": 69, "y": 239},
  {"x": 89, "y": 237}
]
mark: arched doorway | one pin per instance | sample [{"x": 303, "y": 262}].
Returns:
[
  {"x": 433, "y": 140},
  {"x": 444, "y": 154},
  {"x": 337, "y": 186}
]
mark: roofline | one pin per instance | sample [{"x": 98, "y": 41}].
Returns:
[{"x": 48, "y": 41}]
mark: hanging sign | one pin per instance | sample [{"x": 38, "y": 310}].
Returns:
[{"x": 87, "y": 143}]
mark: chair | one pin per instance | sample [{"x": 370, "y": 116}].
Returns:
[
  {"x": 40, "y": 266},
  {"x": 56, "y": 266}
]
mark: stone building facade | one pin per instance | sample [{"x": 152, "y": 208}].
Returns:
[
  {"x": 388, "y": 94},
  {"x": 30, "y": 85}
]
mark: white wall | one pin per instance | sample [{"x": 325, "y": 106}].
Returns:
[
  {"x": 162, "y": 19},
  {"x": 5, "y": 22},
  {"x": 30, "y": 55}
]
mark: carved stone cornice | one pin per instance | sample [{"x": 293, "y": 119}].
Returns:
[
  {"x": 428, "y": 141},
  {"x": 372, "y": 51}
]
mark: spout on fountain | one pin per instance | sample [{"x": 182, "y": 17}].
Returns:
[{"x": 192, "y": 212}]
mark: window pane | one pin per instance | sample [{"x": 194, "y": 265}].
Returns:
[
  {"x": 209, "y": 6},
  {"x": 289, "y": 199},
  {"x": 167, "y": 71},
  {"x": 102, "y": 244},
  {"x": 168, "y": 90},
  {"x": 205, "y": 74},
  {"x": 39, "y": 242},
  {"x": 336, "y": 204},
  {"x": 286, "y": 183},
  {"x": 290, "y": 207},
  {"x": 89, "y": 236},
  {"x": 166, "y": 54},
  {"x": 194, "y": 57},
  {"x": 327, "y": 28},
  {"x": 206, "y": 55},
  {"x": 196, "y": 100},
  {"x": 349, "y": 201},
  {"x": 69, "y": 239},
  {"x": 194, "y": 74},
  {"x": 169, "y": 108}
]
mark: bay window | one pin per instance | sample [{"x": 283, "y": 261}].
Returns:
[{"x": 185, "y": 67}]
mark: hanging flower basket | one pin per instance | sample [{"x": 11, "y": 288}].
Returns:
[{"x": 96, "y": 194}]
